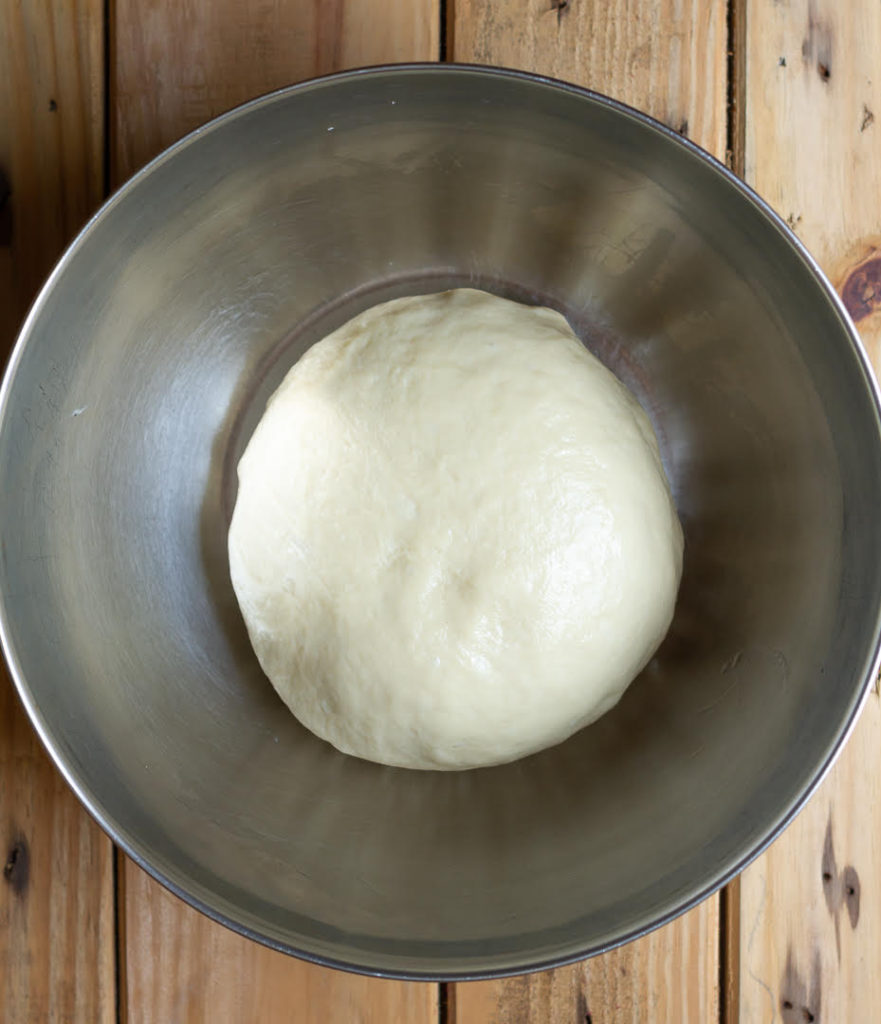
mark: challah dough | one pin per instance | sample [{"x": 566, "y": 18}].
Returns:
[{"x": 453, "y": 543}]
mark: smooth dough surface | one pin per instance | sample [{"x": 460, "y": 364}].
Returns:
[{"x": 453, "y": 543}]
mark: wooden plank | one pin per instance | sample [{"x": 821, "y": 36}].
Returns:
[
  {"x": 176, "y": 66},
  {"x": 809, "y": 936},
  {"x": 56, "y": 895},
  {"x": 51, "y": 132},
  {"x": 671, "y": 63},
  {"x": 664, "y": 56},
  {"x": 173, "y": 66},
  {"x": 190, "y": 970},
  {"x": 670, "y": 975}
]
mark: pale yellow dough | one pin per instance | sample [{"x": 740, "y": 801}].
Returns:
[{"x": 453, "y": 543}]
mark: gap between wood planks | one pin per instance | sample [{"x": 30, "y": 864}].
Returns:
[
  {"x": 445, "y": 40},
  {"x": 119, "y": 941},
  {"x": 108, "y": 70},
  {"x": 735, "y": 146},
  {"x": 735, "y": 114},
  {"x": 446, "y": 1012}
]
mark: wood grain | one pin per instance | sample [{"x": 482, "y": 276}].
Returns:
[
  {"x": 189, "y": 970},
  {"x": 51, "y": 133},
  {"x": 174, "y": 66},
  {"x": 670, "y": 975},
  {"x": 809, "y": 940},
  {"x": 666, "y": 57},
  {"x": 669, "y": 59},
  {"x": 56, "y": 893}
]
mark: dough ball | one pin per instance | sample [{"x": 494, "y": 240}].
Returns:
[{"x": 453, "y": 543}]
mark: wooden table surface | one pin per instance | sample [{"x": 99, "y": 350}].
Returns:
[{"x": 787, "y": 92}]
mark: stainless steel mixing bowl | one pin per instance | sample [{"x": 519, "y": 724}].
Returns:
[{"x": 144, "y": 365}]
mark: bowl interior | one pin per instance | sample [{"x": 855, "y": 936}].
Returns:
[{"x": 145, "y": 365}]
